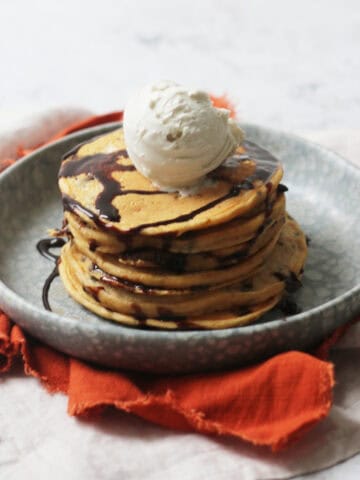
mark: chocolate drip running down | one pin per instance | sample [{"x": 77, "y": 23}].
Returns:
[
  {"x": 44, "y": 247},
  {"x": 265, "y": 161},
  {"x": 102, "y": 165}
]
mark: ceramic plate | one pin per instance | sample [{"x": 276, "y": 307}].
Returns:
[{"x": 324, "y": 197}]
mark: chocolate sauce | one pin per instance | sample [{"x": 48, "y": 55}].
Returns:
[
  {"x": 46, "y": 288},
  {"x": 93, "y": 292},
  {"x": 288, "y": 306},
  {"x": 117, "y": 282},
  {"x": 281, "y": 188},
  {"x": 280, "y": 276},
  {"x": 259, "y": 232},
  {"x": 265, "y": 161},
  {"x": 139, "y": 314},
  {"x": 241, "y": 311},
  {"x": 247, "y": 286},
  {"x": 93, "y": 245},
  {"x": 173, "y": 262},
  {"x": 167, "y": 315},
  {"x": 234, "y": 257},
  {"x": 292, "y": 282},
  {"x": 44, "y": 247},
  {"x": 71, "y": 205},
  {"x": 100, "y": 166}
]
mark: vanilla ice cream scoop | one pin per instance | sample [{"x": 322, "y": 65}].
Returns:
[{"x": 175, "y": 136}]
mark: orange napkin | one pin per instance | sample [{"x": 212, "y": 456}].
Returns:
[{"x": 266, "y": 404}]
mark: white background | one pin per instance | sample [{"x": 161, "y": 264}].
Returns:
[{"x": 290, "y": 64}]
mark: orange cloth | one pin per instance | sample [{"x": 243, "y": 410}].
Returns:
[{"x": 266, "y": 404}]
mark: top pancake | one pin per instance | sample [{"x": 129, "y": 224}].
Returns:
[{"x": 100, "y": 182}]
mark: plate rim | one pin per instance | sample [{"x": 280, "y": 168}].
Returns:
[{"x": 106, "y": 327}]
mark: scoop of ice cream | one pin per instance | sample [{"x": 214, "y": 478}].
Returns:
[{"x": 175, "y": 136}]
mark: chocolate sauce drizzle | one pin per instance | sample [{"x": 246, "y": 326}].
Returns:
[
  {"x": 44, "y": 247},
  {"x": 93, "y": 245},
  {"x": 93, "y": 291},
  {"x": 292, "y": 282},
  {"x": 265, "y": 161},
  {"x": 281, "y": 188},
  {"x": 139, "y": 314},
  {"x": 102, "y": 166},
  {"x": 288, "y": 305}
]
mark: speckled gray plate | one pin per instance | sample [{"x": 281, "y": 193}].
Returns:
[{"x": 324, "y": 196}]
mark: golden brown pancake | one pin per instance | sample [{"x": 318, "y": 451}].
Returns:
[
  {"x": 228, "y": 235},
  {"x": 100, "y": 182}
]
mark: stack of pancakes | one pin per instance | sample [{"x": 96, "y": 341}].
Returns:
[{"x": 144, "y": 257}]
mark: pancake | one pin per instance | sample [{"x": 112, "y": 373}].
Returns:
[
  {"x": 283, "y": 265},
  {"x": 100, "y": 182}
]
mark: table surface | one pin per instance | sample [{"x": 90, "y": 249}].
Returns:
[
  {"x": 289, "y": 65},
  {"x": 293, "y": 65}
]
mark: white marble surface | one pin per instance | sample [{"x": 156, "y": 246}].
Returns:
[{"x": 291, "y": 65}]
